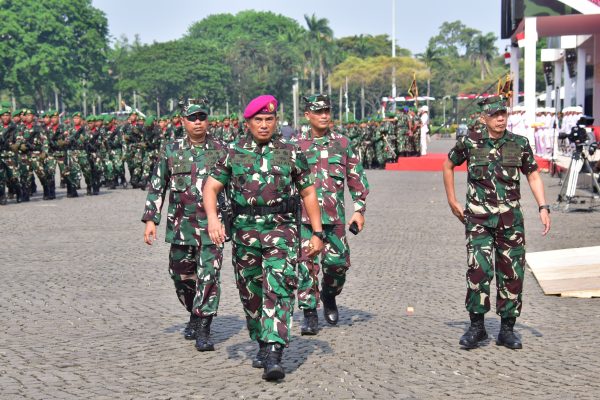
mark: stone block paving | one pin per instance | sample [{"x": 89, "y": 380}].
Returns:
[{"x": 89, "y": 311}]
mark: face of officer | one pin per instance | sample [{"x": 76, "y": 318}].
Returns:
[
  {"x": 195, "y": 126},
  {"x": 54, "y": 120},
  {"x": 133, "y": 118},
  {"x": 319, "y": 120},
  {"x": 77, "y": 120},
  {"x": 28, "y": 118},
  {"x": 5, "y": 119},
  {"x": 162, "y": 124},
  {"x": 496, "y": 123},
  {"x": 262, "y": 127}
]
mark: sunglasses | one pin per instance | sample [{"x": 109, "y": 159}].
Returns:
[{"x": 197, "y": 116}]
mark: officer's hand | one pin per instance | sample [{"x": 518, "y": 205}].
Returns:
[
  {"x": 14, "y": 147},
  {"x": 150, "y": 232},
  {"x": 359, "y": 219},
  {"x": 23, "y": 147},
  {"x": 314, "y": 246},
  {"x": 458, "y": 211},
  {"x": 216, "y": 231},
  {"x": 545, "y": 218}
]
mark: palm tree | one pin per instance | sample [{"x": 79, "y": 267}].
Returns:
[
  {"x": 319, "y": 33},
  {"x": 481, "y": 51},
  {"x": 432, "y": 56}
]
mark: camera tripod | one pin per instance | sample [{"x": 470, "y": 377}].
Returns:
[{"x": 567, "y": 195}]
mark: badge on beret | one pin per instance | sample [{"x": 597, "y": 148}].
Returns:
[{"x": 271, "y": 107}]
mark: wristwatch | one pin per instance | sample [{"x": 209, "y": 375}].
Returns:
[
  {"x": 320, "y": 235},
  {"x": 545, "y": 207}
]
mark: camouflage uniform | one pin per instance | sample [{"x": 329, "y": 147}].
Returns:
[
  {"x": 32, "y": 150},
  {"x": 265, "y": 238},
  {"x": 494, "y": 220},
  {"x": 331, "y": 160},
  {"x": 132, "y": 135},
  {"x": 10, "y": 175},
  {"x": 194, "y": 261},
  {"x": 114, "y": 144}
]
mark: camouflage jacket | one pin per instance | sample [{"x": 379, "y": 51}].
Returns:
[
  {"x": 262, "y": 175},
  {"x": 332, "y": 161},
  {"x": 493, "y": 181},
  {"x": 183, "y": 170},
  {"x": 132, "y": 134},
  {"x": 33, "y": 137},
  {"x": 77, "y": 137},
  {"x": 176, "y": 132}
]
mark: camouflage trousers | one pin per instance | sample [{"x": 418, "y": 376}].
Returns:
[
  {"x": 264, "y": 264},
  {"x": 59, "y": 158},
  {"x": 495, "y": 251},
  {"x": 136, "y": 164},
  {"x": 84, "y": 166},
  {"x": 118, "y": 162},
  {"x": 72, "y": 170},
  {"x": 380, "y": 152},
  {"x": 108, "y": 169},
  {"x": 96, "y": 164},
  {"x": 25, "y": 171},
  {"x": 49, "y": 166},
  {"x": 335, "y": 259},
  {"x": 10, "y": 174},
  {"x": 150, "y": 158},
  {"x": 196, "y": 274}
]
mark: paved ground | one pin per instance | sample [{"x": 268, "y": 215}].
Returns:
[{"x": 88, "y": 311}]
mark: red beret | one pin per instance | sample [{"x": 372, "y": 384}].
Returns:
[{"x": 265, "y": 104}]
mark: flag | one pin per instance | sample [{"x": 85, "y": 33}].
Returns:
[{"x": 413, "y": 90}]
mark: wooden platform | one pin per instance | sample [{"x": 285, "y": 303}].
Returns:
[{"x": 568, "y": 272}]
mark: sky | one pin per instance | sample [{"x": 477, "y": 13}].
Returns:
[{"x": 416, "y": 21}]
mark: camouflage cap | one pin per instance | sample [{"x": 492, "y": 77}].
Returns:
[
  {"x": 28, "y": 111},
  {"x": 317, "y": 102},
  {"x": 492, "y": 105},
  {"x": 193, "y": 106},
  {"x": 52, "y": 113},
  {"x": 16, "y": 113}
]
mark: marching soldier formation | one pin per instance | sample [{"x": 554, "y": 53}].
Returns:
[{"x": 98, "y": 149}]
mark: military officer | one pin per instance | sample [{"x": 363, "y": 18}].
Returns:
[
  {"x": 194, "y": 260},
  {"x": 493, "y": 218},
  {"x": 10, "y": 173},
  {"x": 332, "y": 161},
  {"x": 263, "y": 173}
]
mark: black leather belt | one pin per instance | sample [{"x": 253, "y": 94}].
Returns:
[{"x": 286, "y": 207}]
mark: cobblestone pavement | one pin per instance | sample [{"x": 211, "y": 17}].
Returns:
[{"x": 89, "y": 311}]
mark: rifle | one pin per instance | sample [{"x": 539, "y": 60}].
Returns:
[{"x": 387, "y": 143}]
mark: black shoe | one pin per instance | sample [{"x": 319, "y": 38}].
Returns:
[
  {"x": 330, "y": 311},
  {"x": 88, "y": 190},
  {"x": 310, "y": 326},
  {"x": 476, "y": 332},
  {"x": 24, "y": 194},
  {"x": 189, "y": 333},
  {"x": 507, "y": 337},
  {"x": 273, "y": 369},
  {"x": 261, "y": 356},
  {"x": 71, "y": 191},
  {"x": 95, "y": 190},
  {"x": 52, "y": 190},
  {"x": 62, "y": 184},
  {"x": 46, "y": 194},
  {"x": 3, "y": 199},
  {"x": 203, "y": 342},
  {"x": 18, "y": 193}
]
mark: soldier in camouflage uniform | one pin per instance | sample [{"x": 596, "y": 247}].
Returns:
[
  {"x": 115, "y": 146},
  {"x": 153, "y": 140},
  {"x": 493, "y": 219},
  {"x": 33, "y": 148},
  {"x": 194, "y": 260},
  {"x": 75, "y": 145},
  {"x": 332, "y": 161},
  {"x": 132, "y": 134},
  {"x": 93, "y": 148},
  {"x": 264, "y": 173},
  {"x": 52, "y": 130},
  {"x": 9, "y": 167},
  {"x": 175, "y": 128}
]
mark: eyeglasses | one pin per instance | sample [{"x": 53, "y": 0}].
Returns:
[{"x": 197, "y": 116}]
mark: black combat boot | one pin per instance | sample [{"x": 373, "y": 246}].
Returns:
[
  {"x": 62, "y": 184},
  {"x": 507, "y": 337},
  {"x": 330, "y": 311},
  {"x": 310, "y": 326},
  {"x": 25, "y": 193},
  {"x": 273, "y": 368},
  {"x": 18, "y": 193},
  {"x": 96, "y": 189},
  {"x": 33, "y": 187},
  {"x": 112, "y": 184},
  {"x": 203, "y": 342},
  {"x": 46, "y": 194},
  {"x": 261, "y": 356},
  {"x": 88, "y": 190},
  {"x": 143, "y": 184},
  {"x": 3, "y": 199},
  {"x": 189, "y": 333},
  {"x": 71, "y": 191},
  {"x": 52, "y": 190},
  {"x": 476, "y": 332}
]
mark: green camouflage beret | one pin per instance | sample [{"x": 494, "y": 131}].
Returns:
[
  {"x": 76, "y": 114},
  {"x": 233, "y": 116},
  {"x": 134, "y": 112},
  {"x": 150, "y": 120},
  {"x": 317, "y": 102},
  {"x": 492, "y": 105},
  {"x": 28, "y": 111},
  {"x": 16, "y": 113},
  {"x": 176, "y": 114},
  {"x": 164, "y": 118},
  {"x": 4, "y": 111},
  {"x": 52, "y": 113}
]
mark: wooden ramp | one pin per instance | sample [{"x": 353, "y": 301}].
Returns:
[{"x": 568, "y": 272}]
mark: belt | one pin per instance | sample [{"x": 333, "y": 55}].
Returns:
[{"x": 286, "y": 207}]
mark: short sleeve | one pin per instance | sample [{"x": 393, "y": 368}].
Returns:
[{"x": 458, "y": 154}]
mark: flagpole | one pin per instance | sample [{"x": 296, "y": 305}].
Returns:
[{"x": 394, "y": 55}]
